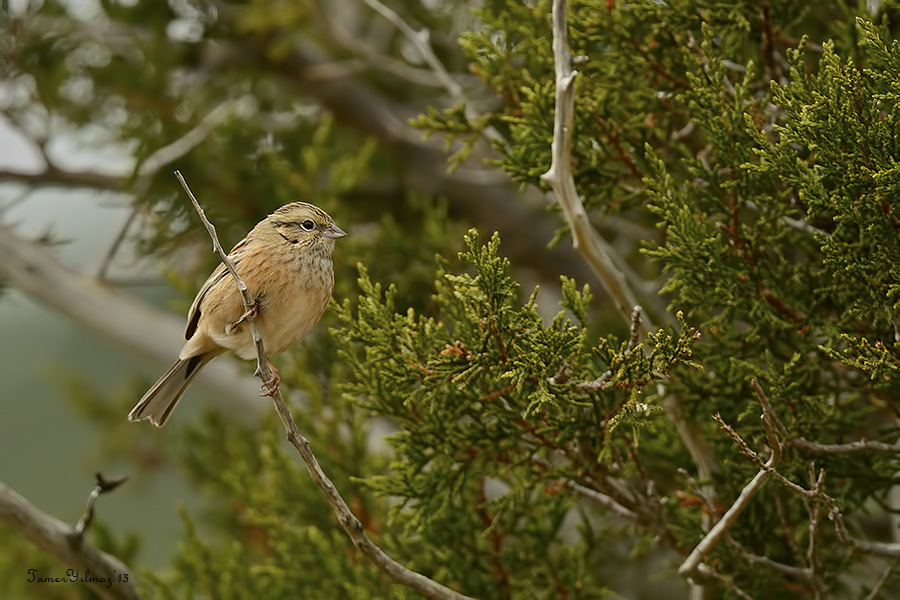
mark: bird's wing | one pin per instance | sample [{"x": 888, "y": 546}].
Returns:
[{"x": 218, "y": 274}]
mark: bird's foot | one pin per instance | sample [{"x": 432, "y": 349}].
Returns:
[
  {"x": 251, "y": 313},
  {"x": 271, "y": 385}
]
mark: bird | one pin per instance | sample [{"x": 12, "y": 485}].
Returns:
[{"x": 286, "y": 263}]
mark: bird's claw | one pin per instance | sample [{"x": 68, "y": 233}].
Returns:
[
  {"x": 271, "y": 385},
  {"x": 251, "y": 313}
]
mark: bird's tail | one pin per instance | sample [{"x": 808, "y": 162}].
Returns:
[{"x": 159, "y": 401}]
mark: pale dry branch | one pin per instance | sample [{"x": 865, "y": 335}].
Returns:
[
  {"x": 815, "y": 447},
  {"x": 56, "y": 538},
  {"x": 634, "y": 327},
  {"x": 848, "y": 448},
  {"x": 592, "y": 247},
  {"x": 689, "y": 568},
  {"x": 598, "y": 253},
  {"x": 348, "y": 521},
  {"x": 789, "y": 570}
]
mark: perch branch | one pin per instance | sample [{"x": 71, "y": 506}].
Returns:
[
  {"x": 348, "y": 521},
  {"x": 56, "y": 538}
]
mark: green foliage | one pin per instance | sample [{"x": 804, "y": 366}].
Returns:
[{"x": 486, "y": 394}]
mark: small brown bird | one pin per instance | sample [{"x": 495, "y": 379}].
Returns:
[{"x": 286, "y": 263}]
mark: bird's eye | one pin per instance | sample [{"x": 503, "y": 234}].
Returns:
[{"x": 307, "y": 225}]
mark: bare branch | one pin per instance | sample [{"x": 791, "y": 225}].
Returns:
[
  {"x": 55, "y": 537},
  {"x": 689, "y": 568},
  {"x": 634, "y": 330},
  {"x": 348, "y": 521},
  {"x": 765, "y": 561},
  {"x": 803, "y": 443},
  {"x": 596, "y": 251},
  {"x": 848, "y": 448},
  {"x": 884, "y": 578},
  {"x": 593, "y": 495},
  {"x": 242, "y": 107},
  {"x": 54, "y": 177},
  {"x": 117, "y": 242}
]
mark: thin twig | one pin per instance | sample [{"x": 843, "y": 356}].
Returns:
[
  {"x": 110, "y": 254},
  {"x": 803, "y": 443},
  {"x": 848, "y": 448},
  {"x": 814, "y": 513},
  {"x": 348, "y": 521},
  {"x": 884, "y": 578},
  {"x": 594, "y": 496},
  {"x": 699, "y": 492},
  {"x": 102, "y": 486},
  {"x": 262, "y": 365},
  {"x": 420, "y": 41},
  {"x": 689, "y": 568}
]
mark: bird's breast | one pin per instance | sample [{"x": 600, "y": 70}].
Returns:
[{"x": 290, "y": 305}]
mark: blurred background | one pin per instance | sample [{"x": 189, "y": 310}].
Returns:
[{"x": 101, "y": 100}]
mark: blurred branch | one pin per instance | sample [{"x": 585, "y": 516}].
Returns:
[
  {"x": 241, "y": 107},
  {"x": 420, "y": 40},
  {"x": 55, "y": 177},
  {"x": 481, "y": 195},
  {"x": 34, "y": 269},
  {"x": 55, "y": 537},
  {"x": 348, "y": 521}
]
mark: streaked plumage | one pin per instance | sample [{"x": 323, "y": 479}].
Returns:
[{"x": 286, "y": 263}]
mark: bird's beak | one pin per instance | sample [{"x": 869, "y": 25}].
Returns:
[{"x": 334, "y": 232}]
